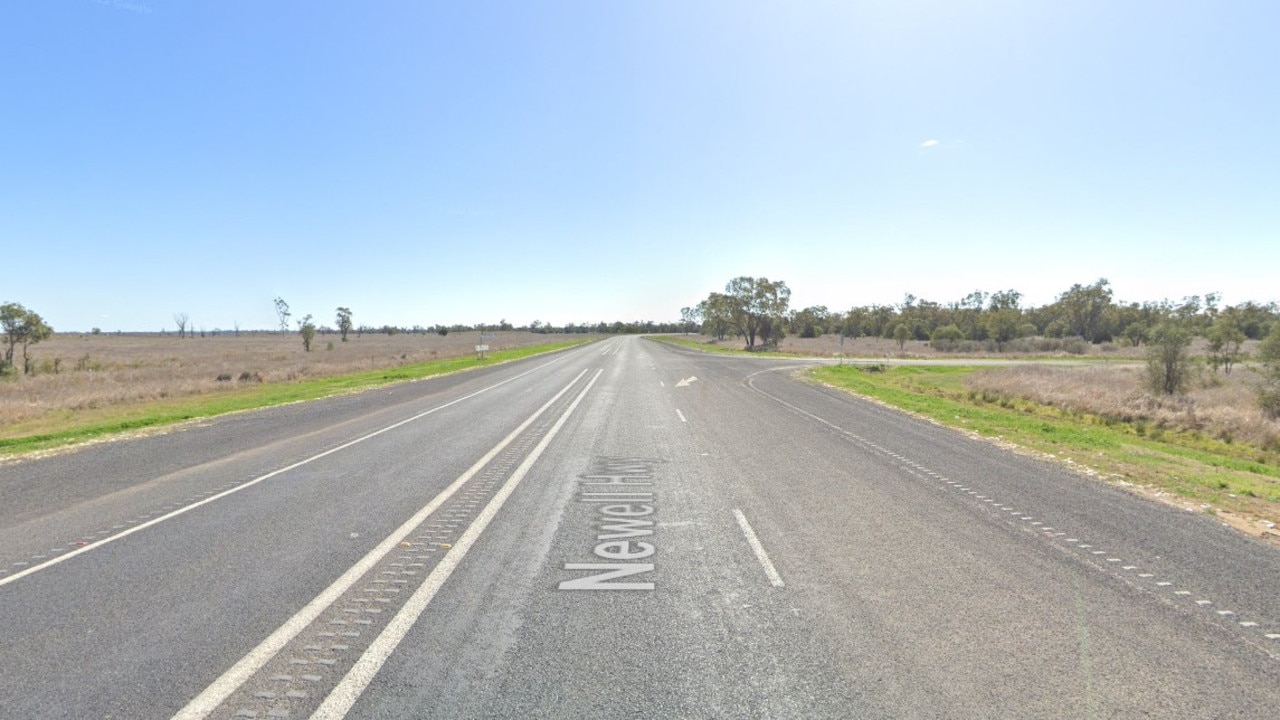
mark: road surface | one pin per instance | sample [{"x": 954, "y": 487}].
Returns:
[{"x": 622, "y": 530}]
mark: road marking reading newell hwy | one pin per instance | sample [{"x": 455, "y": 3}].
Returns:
[{"x": 774, "y": 578}]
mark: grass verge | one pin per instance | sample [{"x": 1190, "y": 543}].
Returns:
[
  {"x": 70, "y": 427},
  {"x": 1239, "y": 482}
]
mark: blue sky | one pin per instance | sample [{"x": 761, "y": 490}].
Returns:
[{"x": 464, "y": 162}]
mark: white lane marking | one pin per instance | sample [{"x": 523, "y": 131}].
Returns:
[
  {"x": 342, "y": 697},
  {"x": 250, "y": 483},
  {"x": 756, "y": 547},
  {"x": 682, "y": 417},
  {"x": 749, "y": 382},
  {"x": 207, "y": 701}
]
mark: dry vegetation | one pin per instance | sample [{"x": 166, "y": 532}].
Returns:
[
  {"x": 876, "y": 347},
  {"x": 1218, "y": 405},
  {"x": 80, "y": 372},
  {"x": 1221, "y": 406}
]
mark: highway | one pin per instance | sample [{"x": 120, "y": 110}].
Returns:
[{"x": 621, "y": 530}]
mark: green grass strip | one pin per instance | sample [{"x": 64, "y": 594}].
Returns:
[
  {"x": 1231, "y": 476},
  {"x": 74, "y": 429}
]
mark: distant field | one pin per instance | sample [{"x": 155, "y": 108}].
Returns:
[{"x": 103, "y": 379}]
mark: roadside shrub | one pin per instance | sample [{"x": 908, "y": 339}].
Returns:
[
  {"x": 1269, "y": 401},
  {"x": 224, "y": 377},
  {"x": 1075, "y": 346},
  {"x": 1269, "y": 392},
  {"x": 247, "y": 376},
  {"x": 1168, "y": 361},
  {"x": 947, "y": 332}
]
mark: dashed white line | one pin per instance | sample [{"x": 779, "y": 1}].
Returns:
[
  {"x": 1048, "y": 531},
  {"x": 682, "y": 417},
  {"x": 756, "y": 547}
]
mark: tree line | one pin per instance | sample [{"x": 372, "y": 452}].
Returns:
[
  {"x": 757, "y": 311},
  {"x": 1088, "y": 313}
]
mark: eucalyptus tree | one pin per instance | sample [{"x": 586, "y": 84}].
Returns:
[
  {"x": 21, "y": 327},
  {"x": 344, "y": 322},
  {"x": 756, "y": 305}
]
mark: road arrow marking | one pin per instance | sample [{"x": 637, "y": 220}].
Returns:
[{"x": 687, "y": 382}]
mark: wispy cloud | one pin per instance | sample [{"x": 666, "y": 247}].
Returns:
[{"x": 928, "y": 144}]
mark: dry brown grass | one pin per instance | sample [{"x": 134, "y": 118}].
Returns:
[
  {"x": 1218, "y": 405},
  {"x": 1025, "y": 348},
  {"x": 873, "y": 347},
  {"x": 96, "y": 371}
]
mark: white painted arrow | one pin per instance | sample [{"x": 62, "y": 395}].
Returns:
[{"x": 687, "y": 383}]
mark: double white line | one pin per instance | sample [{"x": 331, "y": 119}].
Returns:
[{"x": 345, "y": 694}]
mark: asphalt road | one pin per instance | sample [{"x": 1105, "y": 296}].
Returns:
[{"x": 622, "y": 530}]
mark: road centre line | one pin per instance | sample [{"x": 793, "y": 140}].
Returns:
[
  {"x": 249, "y": 483},
  {"x": 682, "y": 417},
  {"x": 222, "y": 688},
  {"x": 344, "y": 696},
  {"x": 756, "y": 547}
]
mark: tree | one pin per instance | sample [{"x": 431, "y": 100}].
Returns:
[
  {"x": 901, "y": 333},
  {"x": 716, "y": 315},
  {"x": 1269, "y": 354},
  {"x": 181, "y": 319},
  {"x": 691, "y": 318},
  {"x": 21, "y": 327},
  {"x": 1084, "y": 307},
  {"x": 946, "y": 333},
  {"x": 755, "y": 303},
  {"x": 11, "y": 315},
  {"x": 1225, "y": 340},
  {"x": 308, "y": 331},
  {"x": 811, "y": 322},
  {"x": 1002, "y": 326},
  {"x": 282, "y": 312},
  {"x": 1168, "y": 362},
  {"x": 344, "y": 322}
]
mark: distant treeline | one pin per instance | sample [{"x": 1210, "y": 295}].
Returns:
[
  {"x": 1086, "y": 312},
  {"x": 537, "y": 326}
]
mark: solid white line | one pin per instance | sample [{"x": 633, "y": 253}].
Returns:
[
  {"x": 774, "y": 578},
  {"x": 207, "y": 701},
  {"x": 682, "y": 417},
  {"x": 344, "y": 696},
  {"x": 250, "y": 483}
]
